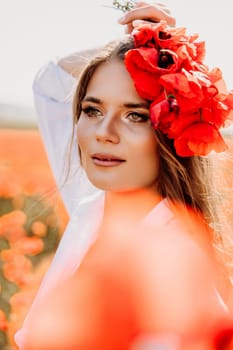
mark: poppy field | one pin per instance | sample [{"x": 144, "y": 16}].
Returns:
[{"x": 32, "y": 219}]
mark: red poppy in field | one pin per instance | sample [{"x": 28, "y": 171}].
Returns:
[
  {"x": 17, "y": 268},
  {"x": 39, "y": 229},
  {"x": 11, "y": 225},
  {"x": 30, "y": 245},
  {"x": 3, "y": 322}
]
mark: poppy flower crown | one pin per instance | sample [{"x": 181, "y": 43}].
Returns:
[{"x": 188, "y": 102}]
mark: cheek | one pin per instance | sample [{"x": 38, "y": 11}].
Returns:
[
  {"x": 149, "y": 157},
  {"x": 148, "y": 147},
  {"x": 81, "y": 142},
  {"x": 81, "y": 131}
]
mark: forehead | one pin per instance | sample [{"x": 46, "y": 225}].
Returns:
[{"x": 112, "y": 80}]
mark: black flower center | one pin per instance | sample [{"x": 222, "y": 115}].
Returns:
[
  {"x": 164, "y": 36},
  {"x": 165, "y": 59}
]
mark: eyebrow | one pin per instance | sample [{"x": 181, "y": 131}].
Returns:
[
  {"x": 137, "y": 105},
  {"x": 92, "y": 99},
  {"x": 144, "y": 105}
]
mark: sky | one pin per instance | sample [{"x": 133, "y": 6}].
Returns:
[{"x": 32, "y": 32}]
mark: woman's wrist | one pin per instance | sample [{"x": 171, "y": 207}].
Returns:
[{"x": 74, "y": 63}]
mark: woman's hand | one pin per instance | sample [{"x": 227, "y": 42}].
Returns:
[{"x": 143, "y": 12}]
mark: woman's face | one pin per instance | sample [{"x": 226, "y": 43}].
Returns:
[{"x": 117, "y": 144}]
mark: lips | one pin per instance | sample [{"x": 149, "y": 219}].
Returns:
[{"x": 107, "y": 160}]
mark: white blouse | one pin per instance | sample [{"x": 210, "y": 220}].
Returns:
[{"x": 53, "y": 89}]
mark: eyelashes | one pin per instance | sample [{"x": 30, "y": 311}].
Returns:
[
  {"x": 132, "y": 116},
  {"x": 91, "y": 111},
  {"x": 138, "y": 117}
]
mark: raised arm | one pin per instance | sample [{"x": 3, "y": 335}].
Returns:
[
  {"x": 53, "y": 89},
  {"x": 75, "y": 62}
]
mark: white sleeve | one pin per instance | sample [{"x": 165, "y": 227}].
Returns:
[{"x": 53, "y": 91}]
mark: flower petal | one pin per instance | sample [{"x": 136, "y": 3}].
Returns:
[
  {"x": 186, "y": 88},
  {"x": 199, "y": 139}
]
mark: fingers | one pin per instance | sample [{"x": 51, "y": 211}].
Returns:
[
  {"x": 145, "y": 12},
  {"x": 137, "y": 23}
]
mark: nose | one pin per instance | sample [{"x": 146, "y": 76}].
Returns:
[{"x": 107, "y": 130}]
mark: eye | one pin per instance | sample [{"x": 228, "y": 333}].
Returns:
[
  {"x": 91, "y": 111},
  {"x": 138, "y": 117}
]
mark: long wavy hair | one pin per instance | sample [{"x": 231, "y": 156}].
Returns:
[{"x": 184, "y": 180}]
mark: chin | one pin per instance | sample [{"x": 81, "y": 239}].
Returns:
[
  {"x": 112, "y": 184},
  {"x": 111, "y": 187}
]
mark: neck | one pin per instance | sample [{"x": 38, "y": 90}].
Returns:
[{"x": 127, "y": 208}]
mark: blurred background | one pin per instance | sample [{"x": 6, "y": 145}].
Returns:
[{"x": 32, "y": 217}]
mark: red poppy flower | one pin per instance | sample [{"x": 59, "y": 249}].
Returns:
[
  {"x": 200, "y": 51},
  {"x": 228, "y": 101},
  {"x": 195, "y": 50},
  {"x": 169, "y": 38},
  {"x": 144, "y": 36},
  {"x": 199, "y": 139},
  {"x": 145, "y": 66},
  {"x": 215, "y": 112},
  {"x": 165, "y": 63},
  {"x": 215, "y": 75},
  {"x": 164, "y": 113},
  {"x": 185, "y": 60},
  {"x": 186, "y": 88},
  {"x": 141, "y": 64},
  {"x": 181, "y": 123}
]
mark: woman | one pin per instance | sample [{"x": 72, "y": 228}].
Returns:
[{"x": 142, "y": 176}]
